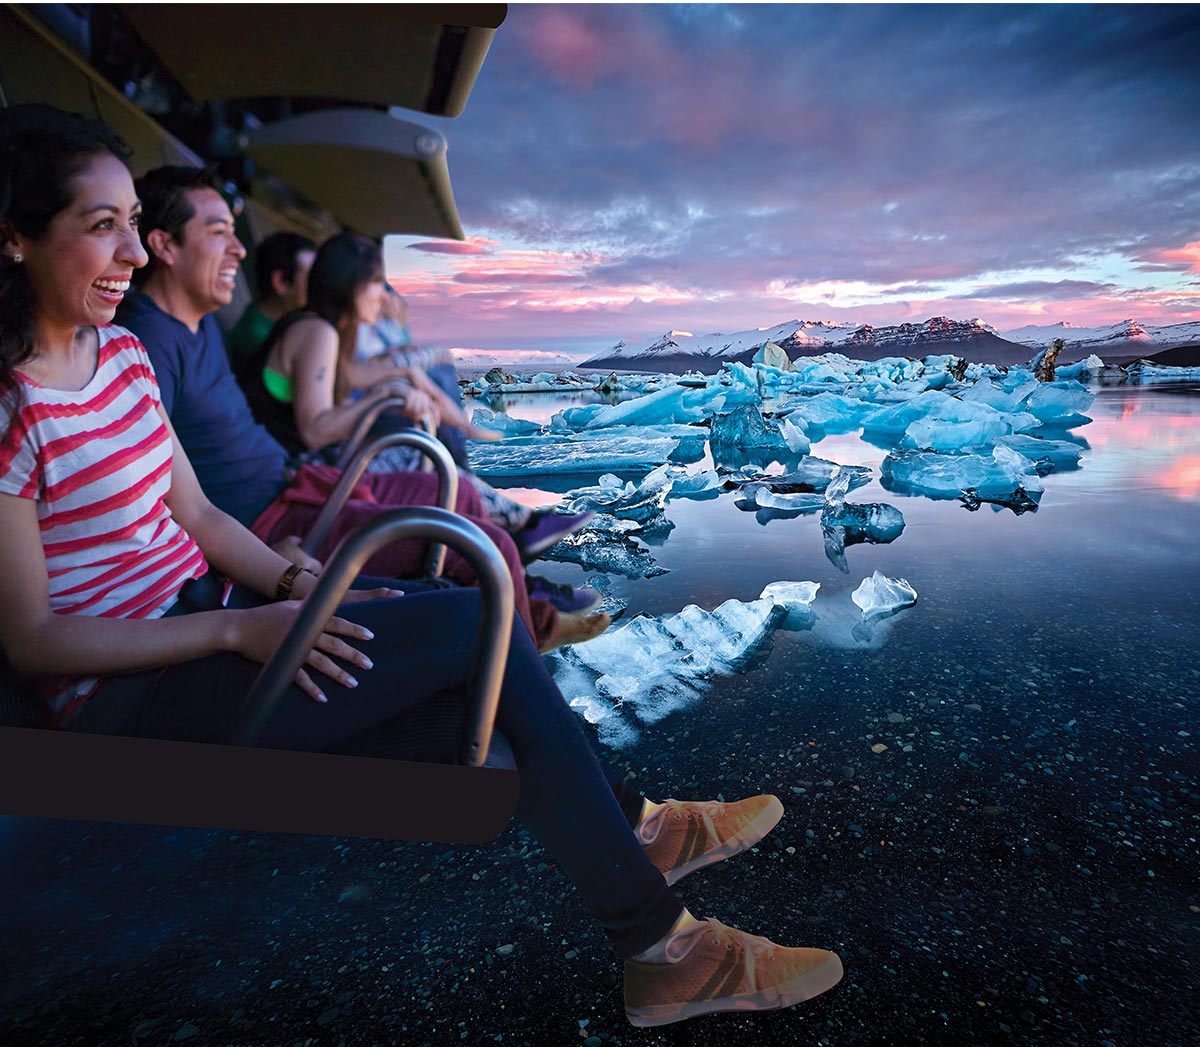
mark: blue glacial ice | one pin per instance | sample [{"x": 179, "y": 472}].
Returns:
[
  {"x": 611, "y": 546},
  {"x": 624, "y": 499},
  {"x": 743, "y": 431},
  {"x": 640, "y": 501},
  {"x": 994, "y": 475},
  {"x": 1060, "y": 404},
  {"x": 503, "y": 423},
  {"x": 596, "y": 452},
  {"x": 793, "y": 597},
  {"x": 753, "y": 496},
  {"x": 647, "y": 668},
  {"x": 940, "y": 422},
  {"x": 827, "y": 413},
  {"x": 880, "y": 594},
  {"x": 850, "y": 523}
]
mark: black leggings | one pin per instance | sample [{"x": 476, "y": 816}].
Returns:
[{"x": 423, "y": 643}]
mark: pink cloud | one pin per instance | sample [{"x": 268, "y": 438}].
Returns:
[
  {"x": 475, "y": 245},
  {"x": 1185, "y": 258}
]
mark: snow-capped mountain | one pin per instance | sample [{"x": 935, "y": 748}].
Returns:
[
  {"x": 681, "y": 350},
  {"x": 1127, "y": 338}
]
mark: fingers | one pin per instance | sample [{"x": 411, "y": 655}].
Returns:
[
  {"x": 330, "y": 668},
  {"x": 360, "y": 595},
  {"x": 305, "y": 683},
  {"x": 341, "y": 627},
  {"x": 340, "y": 649}
]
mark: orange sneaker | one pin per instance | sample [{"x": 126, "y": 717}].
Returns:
[
  {"x": 683, "y": 836},
  {"x": 712, "y": 968}
]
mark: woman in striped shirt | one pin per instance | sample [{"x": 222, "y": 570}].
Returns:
[{"x": 104, "y": 524}]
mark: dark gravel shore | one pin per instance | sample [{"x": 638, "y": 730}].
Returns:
[{"x": 1011, "y": 870}]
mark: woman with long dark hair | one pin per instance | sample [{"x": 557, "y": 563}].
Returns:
[{"x": 105, "y": 526}]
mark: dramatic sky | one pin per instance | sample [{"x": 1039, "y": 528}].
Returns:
[{"x": 622, "y": 171}]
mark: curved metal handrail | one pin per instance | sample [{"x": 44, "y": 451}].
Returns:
[
  {"x": 363, "y": 426},
  {"x": 492, "y": 637},
  {"x": 447, "y": 489}
]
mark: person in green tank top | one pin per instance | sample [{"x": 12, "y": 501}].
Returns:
[{"x": 281, "y": 266}]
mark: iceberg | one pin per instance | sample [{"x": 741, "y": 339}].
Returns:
[
  {"x": 503, "y": 423},
  {"x": 941, "y": 422},
  {"x": 761, "y": 496},
  {"x": 704, "y": 484},
  {"x": 880, "y": 594},
  {"x": 810, "y": 474},
  {"x": 1060, "y": 404},
  {"x": 948, "y": 475},
  {"x": 771, "y": 355},
  {"x": 655, "y": 408},
  {"x": 794, "y": 597},
  {"x": 827, "y": 413},
  {"x": 607, "y": 545},
  {"x": 624, "y": 500},
  {"x": 559, "y": 453},
  {"x": 745, "y": 429},
  {"x": 850, "y": 523},
  {"x": 648, "y": 668},
  {"x": 1018, "y": 500},
  {"x": 1047, "y": 455},
  {"x": 794, "y": 436}
]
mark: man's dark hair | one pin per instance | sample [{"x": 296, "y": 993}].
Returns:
[
  {"x": 277, "y": 254},
  {"x": 165, "y": 204}
]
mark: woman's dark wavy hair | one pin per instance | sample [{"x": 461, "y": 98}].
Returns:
[
  {"x": 343, "y": 264},
  {"x": 41, "y": 150}
]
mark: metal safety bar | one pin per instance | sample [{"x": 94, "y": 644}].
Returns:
[
  {"x": 363, "y": 426},
  {"x": 447, "y": 489},
  {"x": 492, "y": 638}
]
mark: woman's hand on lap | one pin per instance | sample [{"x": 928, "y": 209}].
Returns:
[{"x": 261, "y": 630}]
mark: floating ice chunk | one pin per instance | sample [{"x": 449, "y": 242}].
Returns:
[
  {"x": 771, "y": 355},
  {"x": 996, "y": 395},
  {"x": 649, "y": 668},
  {"x": 760, "y": 496},
  {"x": 559, "y": 453},
  {"x": 939, "y": 421},
  {"x": 1059, "y": 403},
  {"x": 880, "y": 594},
  {"x": 503, "y": 423},
  {"x": 795, "y": 438},
  {"x": 810, "y": 474},
  {"x": 793, "y": 596},
  {"x": 849, "y": 523},
  {"x": 663, "y": 406},
  {"x": 948, "y": 475},
  {"x": 627, "y": 501},
  {"x": 705, "y": 484},
  {"x": 1056, "y": 454},
  {"x": 607, "y": 545},
  {"x": 1082, "y": 370},
  {"x": 1018, "y": 500},
  {"x": 828, "y": 413},
  {"x": 745, "y": 429}
]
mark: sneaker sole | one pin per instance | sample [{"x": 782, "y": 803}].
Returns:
[
  {"x": 767, "y": 819},
  {"x": 774, "y": 998}
]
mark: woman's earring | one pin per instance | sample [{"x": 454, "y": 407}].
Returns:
[{"x": 17, "y": 257}]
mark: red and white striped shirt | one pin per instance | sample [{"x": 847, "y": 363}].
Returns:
[{"x": 98, "y": 463}]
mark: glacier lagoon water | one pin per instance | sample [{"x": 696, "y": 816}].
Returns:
[{"x": 992, "y": 804}]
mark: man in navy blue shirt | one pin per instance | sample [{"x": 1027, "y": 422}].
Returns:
[{"x": 187, "y": 228}]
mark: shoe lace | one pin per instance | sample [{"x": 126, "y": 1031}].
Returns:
[
  {"x": 753, "y": 947},
  {"x": 705, "y": 811}
]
